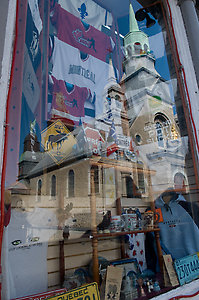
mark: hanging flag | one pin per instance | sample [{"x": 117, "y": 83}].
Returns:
[
  {"x": 112, "y": 140},
  {"x": 117, "y": 53},
  {"x": 88, "y": 11},
  {"x": 32, "y": 40},
  {"x": 34, "y": 8}
]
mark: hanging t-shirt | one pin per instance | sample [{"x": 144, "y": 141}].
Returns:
[
  {"x": 68, "y": 100},
  {"x": 32, "y": 40},
  {"x": 88, "y": 11},
  {"x": 24, "y": 252},
  {"x": 73, "y": 66},
  {"x": 135, "y": 248},
  {"x": 83, "y": 36}
]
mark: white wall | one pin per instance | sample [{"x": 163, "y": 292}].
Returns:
[{"x": 7, "y": 25}]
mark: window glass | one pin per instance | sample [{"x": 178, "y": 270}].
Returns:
[{"x": 96, "y": 124}]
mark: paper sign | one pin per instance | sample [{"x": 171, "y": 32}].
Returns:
[
  {"x": 168, "y": 263},
  {"x": 113, "y": 282}
]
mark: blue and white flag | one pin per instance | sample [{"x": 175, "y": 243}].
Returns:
[
  {"x": 34, "y": 8},
  {"x": 88, "y": 11},
  {"x": 32, "y": 40}
]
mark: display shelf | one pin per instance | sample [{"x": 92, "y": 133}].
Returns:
[{"x": 121, "y": 233}]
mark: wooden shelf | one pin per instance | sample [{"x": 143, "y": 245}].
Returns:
[{"x": 114, "y": 234}]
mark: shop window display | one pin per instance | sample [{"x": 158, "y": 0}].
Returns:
[{"x": 96, "y": 125}]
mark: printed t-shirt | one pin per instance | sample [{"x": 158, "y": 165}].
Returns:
[
  {"x": 68, "y": 100},
  {"x": 83, "y": 36},
  {"x": 24, "y": 252},
  {"x": 82, "y": 70}
]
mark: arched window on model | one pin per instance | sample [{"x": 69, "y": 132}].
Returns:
[
  {"x": 71, "y": 183},
  {"x": 179, "y": 182},
  {"x": 131, "y": 188},
  {"x": 96, "y": 178},
  {"x": 160, "y": 122},
  {"x": 53, "y": 186},
  {"x": 39, "y": 187},
  {"x": 141, "y": 183},
  {"x": 159, "y": 134},
  {"x": 137, "y": 48}
]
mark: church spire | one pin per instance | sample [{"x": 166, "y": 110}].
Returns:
[
  {"x": 133, "y": 25},
  {"x": 136, "y": 41}
]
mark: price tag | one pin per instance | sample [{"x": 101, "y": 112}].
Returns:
[
  {"x": 187, "y": 268},
  {"x": 86, "y": 292}
]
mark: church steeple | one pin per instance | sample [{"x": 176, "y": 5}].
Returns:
[
  {"x": 136, "y": 42},
  {"x": 133, "y": 25}
]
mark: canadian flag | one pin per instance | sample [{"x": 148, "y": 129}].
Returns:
[
  {"x": 133, "y": 148},
  {"x": 112, "y": 148}
]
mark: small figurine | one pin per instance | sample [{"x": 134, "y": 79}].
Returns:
[
  {"x": 140, "y": 283},
  {"x": 156, "y": 286},
  {"x": 149, "y": 285}
]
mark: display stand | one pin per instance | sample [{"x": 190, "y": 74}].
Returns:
[{"x": 96, "y": 236}]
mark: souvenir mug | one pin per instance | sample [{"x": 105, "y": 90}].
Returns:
[
  {"x": 130, "y": 221},
  {"x": 116, "y": 224}
]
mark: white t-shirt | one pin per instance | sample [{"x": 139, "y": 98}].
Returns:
[
  {"x": 24, "y": 252},
  {"x": 73, "y": 66}
]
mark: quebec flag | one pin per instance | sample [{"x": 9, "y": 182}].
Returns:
[{"x": 88, "y": 11}]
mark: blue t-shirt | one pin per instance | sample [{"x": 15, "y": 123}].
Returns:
[{"x": 178, "y": 232}]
